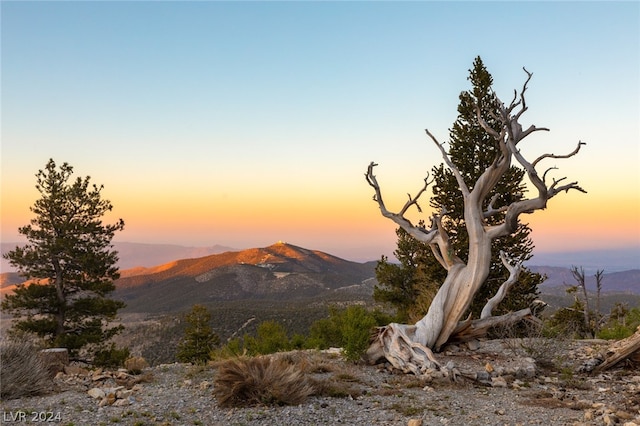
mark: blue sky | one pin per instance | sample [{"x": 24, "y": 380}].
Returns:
[{"x": 244, "y": 123}]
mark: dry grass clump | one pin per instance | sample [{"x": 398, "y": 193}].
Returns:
[
  {"x": 22, "y": 371},
  {"x": 285, "y": 378},
  {"x": 261, "y": 380},
  {"x": 136, "y": 364}
]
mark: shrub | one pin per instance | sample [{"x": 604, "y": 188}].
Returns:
[
  {"x": 622, "y": 323},
  {"x": 356, "y": 332},
  {"x": 271, "y": 337},
  {"x": 548, "y": 351},
  {"x": 232, "y": 349},
  {"x": 349, "y": 328},
  {"x": 261, "y": 380},
  {"x": 111, "y": 358},
  {"x": 570, "y": 322},
  {"x": 22, "y": 373}
]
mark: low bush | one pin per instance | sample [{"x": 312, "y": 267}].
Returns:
[
  {"x": 261, "y": 380},
  {"x": 111, "y": 358},
  {"x": 349, "y": 329},
  {"x": 22, "y": 371},
  {"x": 622, "y": 323},
  {"x": 271, "y": 337}
]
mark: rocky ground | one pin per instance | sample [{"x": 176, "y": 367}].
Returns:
[{"x": 506, "y": 382}]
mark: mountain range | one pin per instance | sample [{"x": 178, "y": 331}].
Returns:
[
  {"x": 281, "y": 272},
  {"x": 132, "y": 255},
  {"x": 278, "y": 273}
]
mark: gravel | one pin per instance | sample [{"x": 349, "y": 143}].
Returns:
[{"x": 510, "y": 390}]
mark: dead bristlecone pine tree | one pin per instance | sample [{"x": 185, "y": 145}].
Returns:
[{"x": 411, "y": 347}]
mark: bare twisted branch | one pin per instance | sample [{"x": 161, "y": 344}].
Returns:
[
  {"x": 514, "y": 268},
  {"x": 417, "y": 232}
]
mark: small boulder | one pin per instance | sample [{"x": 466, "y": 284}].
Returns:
[
  {"x": 96, "y": 393},
  {"x": 498, "y": 382}
]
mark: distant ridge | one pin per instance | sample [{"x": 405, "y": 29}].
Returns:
[
  {"x": 279, "y": 272},
  {"x": 186, "y": 275},
  {"x": 136, "y": 254},
  {"x": 619, "y": 282},
  {"x": 611, "y": 260},
  {"x": 133, "y": 255}
]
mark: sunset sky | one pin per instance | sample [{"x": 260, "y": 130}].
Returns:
[{"x": 245, "y": 123}]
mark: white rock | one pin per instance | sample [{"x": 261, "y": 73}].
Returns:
[
  {"x": 124, "y": 393},
  {"x": 121, "y": 403},
  {"x": 96, "y": 393},
  {"x": 473, "y": 345},
  {"x": 498, "y": 382}
]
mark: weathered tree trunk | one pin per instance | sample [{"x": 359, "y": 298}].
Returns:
[
  {"x": 621, "y": 350},
  {"x": 408, "y": 347}
]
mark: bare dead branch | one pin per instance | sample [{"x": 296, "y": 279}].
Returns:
[
  {"x": 467, "y": 330},
  {"x": 436, "y": 253},
  {"x": 492, "y": 210},
  {"x": 529, "y": 205},
  {"x": 414, "y": 201},
  {"x": 461, "y": 183},
  {"x": 532, "y": 129},
  {"x": 447, "y": 257},
  {"x": 544, "y": 175},
  {"x": 514, "y": 269},
  {"x": 497, "y": 136},
  {"x": 553, "y": 190},
  {"x": 417, "y": 232},
  {"x": 621, "y": 350},
  {"x": 571, "y": 154}
]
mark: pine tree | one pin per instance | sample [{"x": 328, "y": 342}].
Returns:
[
  {"x": 68, "y": 263},
  {"x": 401, "y": 285},
  {"x": 199, "y": 339},
  {"x": 411, "y": 285},
  {"x": 472, "y": 150}
]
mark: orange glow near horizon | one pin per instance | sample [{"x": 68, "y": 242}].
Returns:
[
  {"x": 348, "y": 219},
  {"x": 581, "y": 222}
]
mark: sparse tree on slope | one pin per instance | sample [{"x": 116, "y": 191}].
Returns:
[
  {"x": 486, "y": 217},
  {"x": 69, "y": 263},
  {"x": 199, "y": 338}
]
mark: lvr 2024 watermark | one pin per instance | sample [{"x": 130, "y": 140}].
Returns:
[{"x": 31, "y": 416}]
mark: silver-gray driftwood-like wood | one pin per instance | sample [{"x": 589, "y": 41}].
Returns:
[{"x": 409, "y": 347}]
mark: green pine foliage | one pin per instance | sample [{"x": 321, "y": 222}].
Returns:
[
  {"x": 350, "y": 329},
  {"x": 69, "y": 263},
  {"x": 347, "y": 328},
  {"x": 472, "y": 150},
  {"x": 199, "y": 339},
  {"x": 622, "y": 323},
  {"x": 404, "y": 286},
  {"x": 111, "y": 357},
  {"x": 569, "y": 322},
  {"x": 271, "y": 337}
]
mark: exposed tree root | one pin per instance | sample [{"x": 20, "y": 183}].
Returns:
[{"x": 396, "y": 343}]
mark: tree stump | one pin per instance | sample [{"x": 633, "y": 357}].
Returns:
[{"x": 55, "y": 359}]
